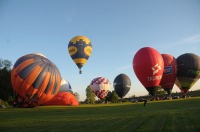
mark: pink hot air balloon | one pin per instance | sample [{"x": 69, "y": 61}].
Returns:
[
  {"x": 148, "y": 66},
  {"x": 169, "y": 74}
]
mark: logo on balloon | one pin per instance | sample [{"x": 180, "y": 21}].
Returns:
[
  {"x": 156, "y": 68},
  {"x": 88, "y": 50},
  {"x": 193, "y": 72},
  {"x": 168, "y": 70},
  {"x": 154, "y": 78},
  {"x": 72, "y": 50}
]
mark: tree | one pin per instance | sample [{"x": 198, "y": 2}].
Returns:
[
  {"x": 5, "y": 64},
  {"x": 115, "y": 97},
  {"x": 112, "y": 96},
  {"x": 108, "y": 97},
  {"x": 90, "y": 96},
  {"x": 5, "y": 80}
]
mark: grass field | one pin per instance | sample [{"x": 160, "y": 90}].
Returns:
[{"x": 181, "y": 115}]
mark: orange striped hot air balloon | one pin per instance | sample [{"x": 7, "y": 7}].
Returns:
[{"x": 35, "y": 80}]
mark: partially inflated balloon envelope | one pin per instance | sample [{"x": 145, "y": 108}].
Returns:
[
  {"x": 80, "y": 49},
  {"x": 65, "y": 86},
  {"x": 169, "y": 74},
  {"x": 122, "y": 85},
  {"x": 63, "y": 98},
  {"x": 148, "y": 66},
  {"x": 100, "y": 87},
  {"x": 35, "y": 79},
  {"x": 188, "y": 71}
]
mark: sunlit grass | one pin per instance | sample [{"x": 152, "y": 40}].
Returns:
[{"x": 171, "y": 115}]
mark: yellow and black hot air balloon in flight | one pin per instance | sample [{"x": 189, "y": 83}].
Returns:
[{"x": 80, "y": 49}]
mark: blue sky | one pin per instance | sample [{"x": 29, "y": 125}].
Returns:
[{"x": 117, "y": 30}]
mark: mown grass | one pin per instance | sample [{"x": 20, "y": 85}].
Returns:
[{"x": 181, "y": 115}]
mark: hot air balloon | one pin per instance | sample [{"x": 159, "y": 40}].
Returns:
[
  {"x": 80, "y": 49},
  {"x": 148, "y": 66},
  {"x": 188, "y": 71},
  {"x": 63, "y": 98},
  {"x": 65, "y": 86},
  {"x": 169, "y": 74},
  {"x": 100, "y": 87},
  {"x": 122, "y": 85},
  {"x": 35, "y": 79}
]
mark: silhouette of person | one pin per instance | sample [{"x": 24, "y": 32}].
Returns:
[{"x": 145, "y": 101}]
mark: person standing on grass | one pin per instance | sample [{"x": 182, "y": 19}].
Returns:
[{"x": 145, "y": 101}]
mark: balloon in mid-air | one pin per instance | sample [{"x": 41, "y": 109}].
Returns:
[
  {"x": 122, "y": 85},
  {"x": 65, "y": 86},
  {"x": 100, "y": 87},
  {"x": 188, "y": 71},
  {"x": 35, "y": 79},
  {"x": 80, "y": 49},
  {"x": 63, "y": 98},
  {"x": 148, "y": 66},
  {"x": 169, "y": 74}
]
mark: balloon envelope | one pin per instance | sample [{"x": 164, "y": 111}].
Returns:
[
  {"x": 169, "y": 74},
  {"x": 80, "y": 49},
  {"x": 188, "y": 71},
  {"x": 122, "y": 85},
  {"x": 100, "y": 87},
  {"x": 63, "y": 98},
  {"x": 35, "y": 79},
  {"x": 37, "y": 53},
  {"x": 148, "y": 66},
  {"x": 65, "y": 86}
]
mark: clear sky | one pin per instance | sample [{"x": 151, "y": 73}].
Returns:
[{"x": 117, "y": 30}]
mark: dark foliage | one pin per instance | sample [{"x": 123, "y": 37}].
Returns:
[{"x": 6, "y": 91}]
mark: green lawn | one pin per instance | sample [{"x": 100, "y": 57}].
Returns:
[{"x": 181, "y": 115}]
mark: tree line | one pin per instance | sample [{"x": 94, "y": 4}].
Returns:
[{"x": 6, "y": 91}]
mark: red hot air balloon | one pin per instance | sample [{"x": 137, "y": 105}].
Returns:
[
  {"x": 169, "y": 74},
  {"x": 35, "y": 79},
  {"x": 148, "y": 66}
]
